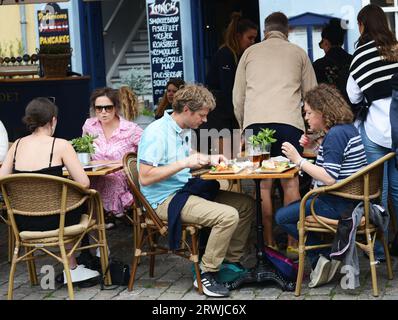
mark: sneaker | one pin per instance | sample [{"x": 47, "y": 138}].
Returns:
[
  {"x": 98, "y": 252},
  {"x": 292, "y": 253},
  {"x": 320, "y": 274},
  {"x": 110, "y": 222},
  {"x": 81, "y": 273},
  {"x": 119, "y": 215},
  {"x": 334, "y": 265},
  {"x": 211, "y": 287},
  {"x": 378, "y": 258}
]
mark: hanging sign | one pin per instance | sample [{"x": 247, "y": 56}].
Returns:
[
  {"x": 164, "y": 25},
  {"x": 53, "y": 25}
]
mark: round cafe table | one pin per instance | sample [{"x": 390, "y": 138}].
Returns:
[{"x": 263, "y": 271}]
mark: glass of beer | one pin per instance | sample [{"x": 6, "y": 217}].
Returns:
[
  {"x": 265, "y": 151},
  {"x": 255, "y": 156}
]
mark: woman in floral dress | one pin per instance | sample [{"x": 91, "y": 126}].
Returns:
[{"x": 115, "y": 136}]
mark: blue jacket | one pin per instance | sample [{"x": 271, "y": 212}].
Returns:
[
  {"x": 394, "y": 116},
  {"x": 196, "y": 187}
]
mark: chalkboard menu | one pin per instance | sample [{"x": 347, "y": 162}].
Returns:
[{"x": 165, "y": 43}]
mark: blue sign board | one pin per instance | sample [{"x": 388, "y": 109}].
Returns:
[{"x": 164, "y": 25}]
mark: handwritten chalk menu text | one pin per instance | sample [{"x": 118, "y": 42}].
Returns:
[{"x": 165, "y": 43}]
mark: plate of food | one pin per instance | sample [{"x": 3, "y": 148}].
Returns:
[
  {"x": 274, "y": 166},
  {"x": 225, "y": 168}
]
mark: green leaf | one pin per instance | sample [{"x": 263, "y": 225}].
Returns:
[{"x": 84, "y": 144}]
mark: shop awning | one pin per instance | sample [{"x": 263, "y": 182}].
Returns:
[{"x": 5, "y": 2}]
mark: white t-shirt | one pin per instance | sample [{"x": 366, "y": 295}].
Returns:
[
  {"x": 3, "y": 141},
  {"x": 377, "y": 124}
]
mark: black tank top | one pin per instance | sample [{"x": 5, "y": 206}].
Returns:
[{"x": 54, "y": 171}]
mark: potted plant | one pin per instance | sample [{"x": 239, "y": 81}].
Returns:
[
  {"x": 260, "y": 144},
  {"x": 84, "y": 147},
  {"x": 54, "y": 59}
]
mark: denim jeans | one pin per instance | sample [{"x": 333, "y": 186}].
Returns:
[
  {"x": 325, "y": 205},
  {"x": 390, "y": 177}
]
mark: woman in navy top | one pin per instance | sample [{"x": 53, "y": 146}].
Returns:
[{"x": 340, "y": 155}]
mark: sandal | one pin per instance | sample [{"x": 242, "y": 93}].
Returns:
[{"x": 110, "y": 221}]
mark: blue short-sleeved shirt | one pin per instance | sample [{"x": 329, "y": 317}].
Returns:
[{"x": 164, "y": 142}]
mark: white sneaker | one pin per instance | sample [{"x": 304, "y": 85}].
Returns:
[
  {"x": 334, "y": 265},
  {"x": 81, "y": 273},
  {"x": 320, "y": 274},
  {"x": 98, "y": 252}
]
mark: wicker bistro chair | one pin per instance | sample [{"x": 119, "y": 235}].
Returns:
[
  {"x": 44, "y": 195},
  {"x": 148, "y": 226},
  {"x": 11, "y": 239},
  {"x": 364, "y": 185}
]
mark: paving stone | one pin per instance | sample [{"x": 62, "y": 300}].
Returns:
[
  {"x": 170, "y": 296},
  {"x": 173, "y": 279}
]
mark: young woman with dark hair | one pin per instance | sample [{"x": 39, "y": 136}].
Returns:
[
  {"x": 239, "y": 35},
  {"x": 40, "y": 152},
  {"x": 165, "y": 103},
  {"x": 375, "y": 62}
]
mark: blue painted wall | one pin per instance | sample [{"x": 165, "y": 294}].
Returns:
[{"x": 344, "y": 9}]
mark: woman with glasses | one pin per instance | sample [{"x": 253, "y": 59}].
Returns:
[{"x": 115, "y": 136}]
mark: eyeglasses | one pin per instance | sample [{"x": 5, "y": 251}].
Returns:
[{"x": 107, "y": 108}]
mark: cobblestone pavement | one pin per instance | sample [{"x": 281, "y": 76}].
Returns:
[{"x": 173, "y": 279}]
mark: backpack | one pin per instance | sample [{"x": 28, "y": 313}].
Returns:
[
  {"x": 287, "y": 267},
  {"x": 337, "y": 75}
]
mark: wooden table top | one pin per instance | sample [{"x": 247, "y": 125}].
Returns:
[
  {"x": 102, "y": 171},
  {"x": 249, "y": 174}
]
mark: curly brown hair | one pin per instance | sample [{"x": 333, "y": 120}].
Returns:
[
  {"x": 195, "y": 97},
  {"x": 128, "y": 103},
  {"x": 328, "y": 101}
]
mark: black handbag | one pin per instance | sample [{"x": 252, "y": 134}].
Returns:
[
  {"x": 361, "y": 109},
  {"x": 120, "y": 274}
]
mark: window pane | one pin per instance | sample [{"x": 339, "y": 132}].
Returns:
[
  {"x": 383, "y": 3},
  {"x": 316, "y": 38},
  {"x": 298, "y": 35},
  {"x": 391, "y": 21}
]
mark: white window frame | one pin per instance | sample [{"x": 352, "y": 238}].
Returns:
[{"x": 393, "y": 9}]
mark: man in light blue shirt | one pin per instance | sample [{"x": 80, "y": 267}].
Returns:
[{"x": 164, "y": 164}]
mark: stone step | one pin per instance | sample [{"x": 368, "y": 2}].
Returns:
[
  {"x": 142, "y": 34},
  {"x": 137, "y": 57},
  {"x": 139, "y": 46}
]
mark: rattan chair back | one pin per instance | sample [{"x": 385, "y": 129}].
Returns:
[
  {"x": 364, "y": 185},
  {"x": 41, "y": 195},
  {"x": 131, "y": 170},
  {"x": 31, "y": 194},
  {"x": 149, "y": 226}
]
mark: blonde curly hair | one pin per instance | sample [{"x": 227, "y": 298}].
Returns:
[
  {"x": 328, "y": 101},
  {"x": 128, "y": 103}
]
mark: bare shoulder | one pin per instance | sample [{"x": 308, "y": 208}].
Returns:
[{"x": 62, "y": 144}]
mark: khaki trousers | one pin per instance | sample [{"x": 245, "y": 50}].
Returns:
[{"x": 229, "y": 217}]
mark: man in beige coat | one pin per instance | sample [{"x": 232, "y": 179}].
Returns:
[{"x": 271, "y": 80}]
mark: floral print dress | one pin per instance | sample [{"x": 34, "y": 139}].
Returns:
[{"x": 113, "y": 188}]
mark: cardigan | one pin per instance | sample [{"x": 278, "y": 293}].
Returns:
[{"x": 371, "y": 72}]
